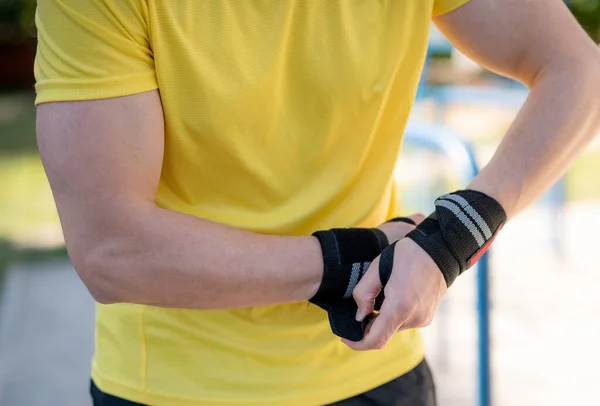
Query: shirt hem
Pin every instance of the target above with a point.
(56, 90)
(329, 395)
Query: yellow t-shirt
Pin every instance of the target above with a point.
(281, 117)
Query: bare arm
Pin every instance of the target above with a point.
(540, 44)
(103, 159)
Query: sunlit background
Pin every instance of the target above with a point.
(544, 309)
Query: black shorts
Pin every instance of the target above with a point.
(414, 388)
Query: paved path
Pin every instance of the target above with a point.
(545, 325)
(46, 337)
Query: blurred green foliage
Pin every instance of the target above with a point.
(25, 196)
(11, 253)
(26, 203)
(17, 124)
(587, 13)
(16, 20)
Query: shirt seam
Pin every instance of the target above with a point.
(144, 349)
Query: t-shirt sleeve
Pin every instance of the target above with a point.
(445, 6)
(92, 49)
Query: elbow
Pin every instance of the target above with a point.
(583, 70)
(101, 274)
(103, 294)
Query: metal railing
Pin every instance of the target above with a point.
(459, 152)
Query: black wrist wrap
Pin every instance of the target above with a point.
(347, 254)
(460, 231)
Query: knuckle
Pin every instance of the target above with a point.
(379, 344)
(360, 295)
(357, 294)
(356, 345)
(423, 321)
(404, 309)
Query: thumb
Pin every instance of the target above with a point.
(395, 229)
(417, 217)
(413, 219)
(367, 290)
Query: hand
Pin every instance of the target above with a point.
(412, 295)
(397, 230)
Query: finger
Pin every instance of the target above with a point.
(395, 231)
(417, 217)
(367, 290)
(413, 219)
(384, 326)
(402, 220)
(371, 318)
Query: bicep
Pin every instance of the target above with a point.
(103, 159)
(516, 38)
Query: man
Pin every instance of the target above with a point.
(194, 147)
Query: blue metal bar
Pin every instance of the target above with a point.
(558, 198)
(443, 140)
(484, 342)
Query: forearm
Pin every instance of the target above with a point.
(169, 259)
(561, 116)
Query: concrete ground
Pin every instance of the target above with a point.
(46, 337)
(545, 317)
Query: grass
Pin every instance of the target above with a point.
(11, 253)
(25, 198)
(26, 203)
(17, 124)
